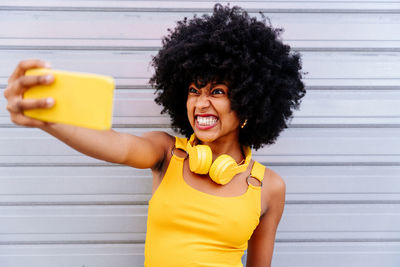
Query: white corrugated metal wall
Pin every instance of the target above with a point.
(340, 157)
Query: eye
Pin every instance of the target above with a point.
(193, 90)
(218, 91)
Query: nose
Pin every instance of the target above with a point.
(202, 101)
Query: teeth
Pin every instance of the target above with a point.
(206, 121)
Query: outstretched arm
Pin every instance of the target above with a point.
(140, 152)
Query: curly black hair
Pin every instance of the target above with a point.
(264, 76)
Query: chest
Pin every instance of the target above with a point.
(203, 183)
(236, 187)
(195, 215)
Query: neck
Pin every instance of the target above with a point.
(232, 148)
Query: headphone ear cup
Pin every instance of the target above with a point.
(222, 169)
(200, 159)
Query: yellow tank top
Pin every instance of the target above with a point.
(187, 227)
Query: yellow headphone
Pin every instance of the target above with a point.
(222, 170)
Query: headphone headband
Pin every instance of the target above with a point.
(222, 170)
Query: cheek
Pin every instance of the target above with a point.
(189, 111)
(233, 119)
(190, 103)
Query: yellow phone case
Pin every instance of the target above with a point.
(81, 99)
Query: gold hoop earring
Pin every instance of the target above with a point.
(243, 124)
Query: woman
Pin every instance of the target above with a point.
(228, 84)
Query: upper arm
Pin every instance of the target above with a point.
(261, 243)
(148, 150)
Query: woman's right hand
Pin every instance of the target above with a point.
(111, 146)
(18, 83)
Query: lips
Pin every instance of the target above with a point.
(206, 121)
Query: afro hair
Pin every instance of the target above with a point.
(264, 76)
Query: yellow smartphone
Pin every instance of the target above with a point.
(81, 99)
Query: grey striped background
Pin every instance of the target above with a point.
(340, 157)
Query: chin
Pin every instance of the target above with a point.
(205, 137)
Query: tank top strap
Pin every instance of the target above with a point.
(180, 143)
(257, 171)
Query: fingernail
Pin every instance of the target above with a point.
(50, 101)
(49, 78)
(47, 65)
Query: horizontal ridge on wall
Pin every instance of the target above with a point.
(146, 29)
(126, 186)
(301, 223)
(312, 46)
(328, 108)
(125, 65)
(206, 6)
(324, 147)
(128, 255)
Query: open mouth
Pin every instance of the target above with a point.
(206, 121)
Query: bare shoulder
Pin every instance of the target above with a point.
(148, 150)
(160, 138)
(274, 189)
(276, 184)
(164, 142)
